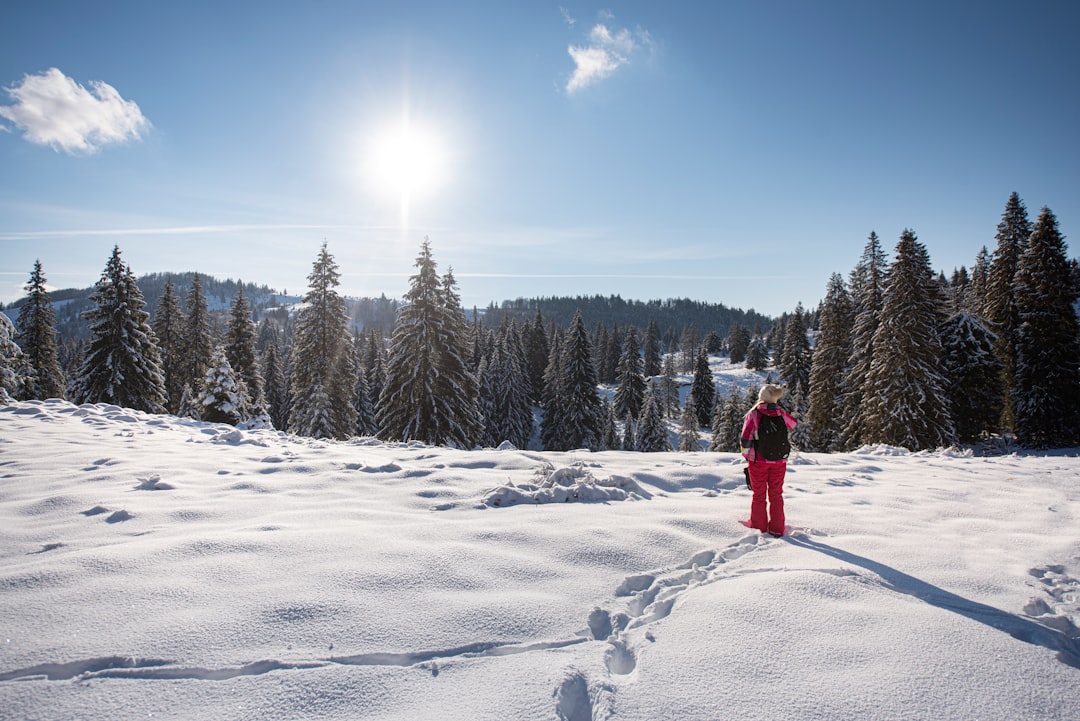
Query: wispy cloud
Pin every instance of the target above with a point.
(566, 16)
(177, 230)
(52, 109)
(607, 50)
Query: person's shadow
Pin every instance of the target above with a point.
(1019, 627)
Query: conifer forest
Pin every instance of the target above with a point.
(896, 353)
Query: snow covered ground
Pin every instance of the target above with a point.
(152, 567)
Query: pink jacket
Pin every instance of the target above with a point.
(750, 426)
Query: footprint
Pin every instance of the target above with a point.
(619, 659)
(600, 624)
(572, 702)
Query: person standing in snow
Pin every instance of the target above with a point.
(765, 446)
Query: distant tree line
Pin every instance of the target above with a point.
(899, 356)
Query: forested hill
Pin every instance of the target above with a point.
(672, 315)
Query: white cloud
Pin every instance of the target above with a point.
(606, 52)
(52, 109)
(566, 16)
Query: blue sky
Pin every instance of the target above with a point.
(733, 152)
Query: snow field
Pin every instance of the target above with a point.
(154, 567)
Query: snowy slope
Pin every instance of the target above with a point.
(152, 567)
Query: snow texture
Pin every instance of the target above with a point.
(164, 568)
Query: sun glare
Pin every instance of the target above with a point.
(406, 162)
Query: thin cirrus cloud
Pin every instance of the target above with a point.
(52, 109)
(606, 51)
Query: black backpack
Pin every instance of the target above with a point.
(772, 438)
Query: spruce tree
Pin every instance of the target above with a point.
(738, 342)
(976, 296)
(973, 371)
(37, 337)
(796, 359)
(630, 393)
(689, 423)
(905, 390)
(629, 439)
(867, 295)
(122, 364)
(668, 390)
(611, 426)
(15, 371)
(1046, 391)
(223, 397)
(689, 342)
(365, 410)
(832, 350)
(757, 354)
(1001, 309)
(240, 342)
(551, 427)
(198, 339)
(652, 434)
(504, 401)
(582, 422)
(703, 389)
(429, 394)
(535, 339)
(718, 441)
(653, 357)
(170, 326)
(375, 367)
(275, 386)
(322, 383)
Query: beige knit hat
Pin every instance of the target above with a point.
(770, 393)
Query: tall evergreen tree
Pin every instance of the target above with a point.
(582, 422)
(535, 340)
(505, 404)
(652, 434)
(828, 372)
(365, 409)
(322, 383)
(905, 391)
(973, 371)
(275, 386)
(689, 423)
(1001, 302)
(630, 393)
(551, 437)
(797, 358)
(240, 342)
(703, 389)
(653, 355)
(37, 337)
(122, 364)
(375, 368)
(198, 339)
(689, 342)
(976, 296)
(867, 294)
(757, 354)
(611, 426)
(429, 394)
(667, 394)
(15, 371)
(1046, 392)
(170, 326)
(738, 342)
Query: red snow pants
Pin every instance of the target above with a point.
(767, 483)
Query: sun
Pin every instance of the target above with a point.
(406, 161)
